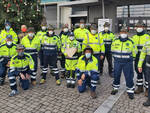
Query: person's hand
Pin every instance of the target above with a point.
(80, 82)
(102, 57)
(140, 70)
(22, 76)
(27, 76)
(8, 64)
(83, 76)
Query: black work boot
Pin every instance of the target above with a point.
(114, 92)
(146, 92)
(131, 96)
(139, 90)
(147, 103)
(68, 83)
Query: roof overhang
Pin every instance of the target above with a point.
(77, 2)
(78, 15)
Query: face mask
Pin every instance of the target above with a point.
(24, 29)
(71, 37)
(43, 28)
(9, 43)
(21, 53)
(82, 26)
(123, 35)
(7, 27)
(50, 32)
(31, 34)
(93, 32)
(106, 29)
(87, 55)
(65, 30)
(139, 30)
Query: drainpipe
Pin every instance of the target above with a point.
(103, 9)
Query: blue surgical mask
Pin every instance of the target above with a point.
(88, 55)
(21, 54)
(7, 27)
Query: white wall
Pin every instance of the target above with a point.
(65, 15)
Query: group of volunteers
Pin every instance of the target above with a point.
(81, 53)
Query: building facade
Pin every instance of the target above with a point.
(121, 12)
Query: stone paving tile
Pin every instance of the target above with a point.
(49, 98)
(125, 105)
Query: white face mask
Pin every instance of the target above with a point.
(93, 32)
(9, 43)
(106, 29)
(31, 34)
(88, 55)
(71, 38)
(82, 26)
(139, 30)
(66, 30)
(50, 32)
(43, 28)
(123, 35)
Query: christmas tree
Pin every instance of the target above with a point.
(18, 12)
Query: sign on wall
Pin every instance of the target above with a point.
(101, 22)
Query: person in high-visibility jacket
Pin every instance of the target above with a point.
(40, 34)
(107, 37)
(21, 65)
(80, 33)
(32, 46)
(8, 31)
(95, 42)
(23, 32)
(51, 46)
(124, 51)
(71, 62)
(63, 38)
(140, 39)
(145, 56)
(6, 52)
(87, 71)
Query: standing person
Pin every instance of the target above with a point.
(32, 47)
(63, 38)
(87, 72)
(51, 46)
(40, 34)
(23, 32)
(107, 37)
(6, 52)
(140, 39)
(80, 33)
(124, 51)
(145, 56)
(71, 62)
(8, 31)
(21, 65)
(95, 42)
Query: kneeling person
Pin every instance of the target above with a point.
(87, 71)
(21, 65)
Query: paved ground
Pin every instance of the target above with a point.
(125, 105)
(49, 98)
